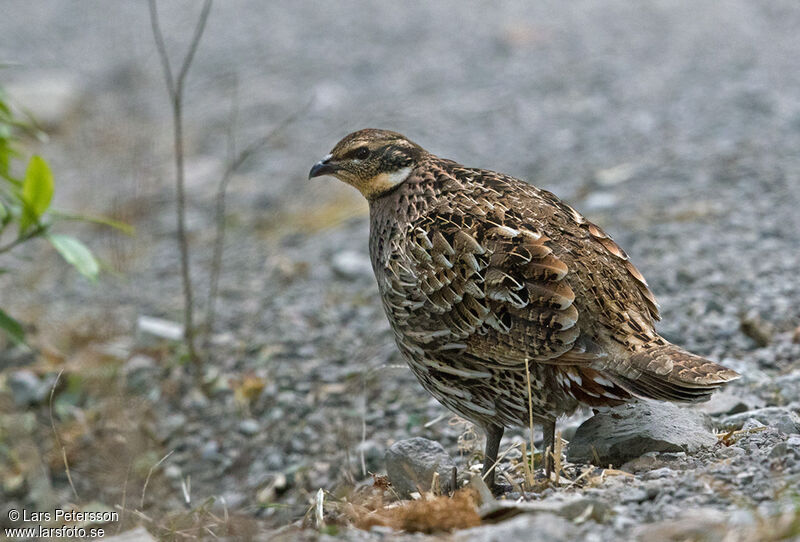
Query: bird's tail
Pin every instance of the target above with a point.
(670, 373)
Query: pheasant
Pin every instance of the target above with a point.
(510, 307)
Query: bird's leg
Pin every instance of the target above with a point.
(493, 435)
(549, 431)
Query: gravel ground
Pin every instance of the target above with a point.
(674, 125)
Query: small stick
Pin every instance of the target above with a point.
(58, 439)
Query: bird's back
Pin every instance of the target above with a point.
(486, 278)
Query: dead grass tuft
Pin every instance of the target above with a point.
(427, 515)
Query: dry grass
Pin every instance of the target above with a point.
(430, 514)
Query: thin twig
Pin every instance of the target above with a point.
(235, 161)
(58, 439)
(499, 459)
(175, 88)
(219, 216)
(124, 497)
(149, 474)
(38, 230)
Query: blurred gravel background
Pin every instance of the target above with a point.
(675, 125)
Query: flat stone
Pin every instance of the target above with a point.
(350, 264)
(148, 327)
(782, 418)
(631, 430)
(411, 463)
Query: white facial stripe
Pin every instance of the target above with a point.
(397, 177)
(327, 157)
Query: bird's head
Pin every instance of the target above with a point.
(373, 161)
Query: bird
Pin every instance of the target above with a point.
(510, 307)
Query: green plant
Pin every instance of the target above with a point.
(25, 212)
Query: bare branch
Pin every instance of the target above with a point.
(234, 163)
(198, 34)
(158, 36)
(175, 87)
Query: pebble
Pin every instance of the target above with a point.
(633, 494)
(249, 426)
(411, 463)
(210, 450)
(349, 264)
(663, 472)
(782, 418)
(148, 327)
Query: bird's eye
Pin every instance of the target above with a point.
(361, 153)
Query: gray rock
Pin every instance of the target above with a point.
(628, 431)
(779, 450)
(541, 526)
(249, 427)
(210, 450)
(148, 327)
(752, 424)
(27, 388)
(350, 264)
(633, 494)
(411, 463)
(781, 418)
(663, 472)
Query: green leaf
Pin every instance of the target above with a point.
(37, 191)
(12, 328)
(76, 254)
(124, 227)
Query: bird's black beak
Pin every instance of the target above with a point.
(323, 167)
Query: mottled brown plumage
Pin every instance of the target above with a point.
(484, 277)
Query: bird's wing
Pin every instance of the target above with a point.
(486, 276)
